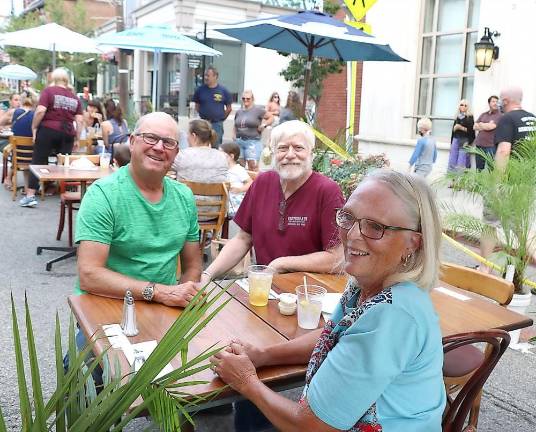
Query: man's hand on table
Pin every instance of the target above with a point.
(255, 354)
(175, 295)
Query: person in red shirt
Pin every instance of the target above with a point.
(287, 215)
(53, 126)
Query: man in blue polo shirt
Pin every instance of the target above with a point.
(213, 102)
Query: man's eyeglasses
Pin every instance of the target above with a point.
(284, 148)
(153, 139)
(367, 227)
(282, 225)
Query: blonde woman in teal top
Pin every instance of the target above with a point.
(377, 363)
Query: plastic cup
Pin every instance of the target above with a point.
(309, 308)
(260, 282)
(105, 159)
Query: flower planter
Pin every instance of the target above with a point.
(519, 304)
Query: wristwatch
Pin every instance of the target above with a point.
(148, 292)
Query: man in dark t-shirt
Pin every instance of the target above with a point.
(213, 103)
(287, 215)
(513, 126)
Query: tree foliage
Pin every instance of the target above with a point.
(41, 60)
(320, 68)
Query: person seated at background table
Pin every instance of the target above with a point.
(200, 162)
(135, 224)
(115, 129)
(121, 155)
(6, 117)
(287, 214)
(94, 114)
(239, 179)
(53, 126)
(21, 125)
(377, 363)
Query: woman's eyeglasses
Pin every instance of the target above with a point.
(367, 227)
(463, 104)
(246, 99)
(153, 139)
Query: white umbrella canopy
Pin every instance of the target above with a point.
(51, 37)
(17, 72)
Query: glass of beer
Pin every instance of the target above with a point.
(260, 282)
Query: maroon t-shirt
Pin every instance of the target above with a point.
(62, 105)
(300, 225)
(486, 138)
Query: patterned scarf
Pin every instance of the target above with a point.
(330, 337)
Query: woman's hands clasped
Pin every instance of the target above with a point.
(236, 364)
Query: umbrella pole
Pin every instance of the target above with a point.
(156, 58)
(53, 56)
(307, 78)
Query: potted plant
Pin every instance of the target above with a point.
(510, 195)
(75, 404)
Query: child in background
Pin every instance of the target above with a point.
(425, 153)
(121, 155)
(238, 177)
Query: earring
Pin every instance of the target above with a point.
(407, 259)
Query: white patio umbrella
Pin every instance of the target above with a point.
(17, 72)
(158, 39)
(51, 37)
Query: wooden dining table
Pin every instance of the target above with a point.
(459, 311)
(62, 173)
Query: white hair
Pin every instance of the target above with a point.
(290, 129)
(60, 76)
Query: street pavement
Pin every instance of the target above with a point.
(509, 400)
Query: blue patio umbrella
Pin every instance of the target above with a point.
(158, 39)
(313, 34)
(17, 72)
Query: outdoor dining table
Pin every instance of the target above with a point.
(61, 173)
(459, 311)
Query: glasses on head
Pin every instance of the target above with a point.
(153, 139)
(367, 227)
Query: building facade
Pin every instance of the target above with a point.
(438, 37)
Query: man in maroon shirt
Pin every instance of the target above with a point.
(485, 125)
(287, 215)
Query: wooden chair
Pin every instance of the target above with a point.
(214, 208)
(462, 404)
(68, 199)
(6, 154)
(22, 151)
(461, 363)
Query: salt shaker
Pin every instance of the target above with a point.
(129, 325)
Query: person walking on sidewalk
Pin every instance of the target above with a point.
(485, 125)
(213, 103)
(425, 153)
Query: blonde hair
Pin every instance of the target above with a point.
(60, 76)
(468, 112)
(292, 128)
(424, 123)
(422, 267)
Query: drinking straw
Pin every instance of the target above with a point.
(305, 287)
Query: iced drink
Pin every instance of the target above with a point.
(310, 307)
(260, 282)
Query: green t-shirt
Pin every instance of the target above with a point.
(145, 238)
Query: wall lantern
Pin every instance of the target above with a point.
(486, 51)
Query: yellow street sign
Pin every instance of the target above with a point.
(358, 8)
(360, 25)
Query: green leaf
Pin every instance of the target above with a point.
(60, 404)
(24, 399)
(39, 404)
(3, 427)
